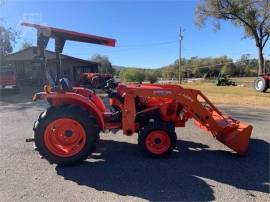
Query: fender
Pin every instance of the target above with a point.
(56, 99)
(93, 97)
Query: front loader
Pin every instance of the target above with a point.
(68, 131)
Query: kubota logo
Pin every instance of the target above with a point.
(188, 97)
(162, 92)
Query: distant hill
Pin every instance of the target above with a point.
(119, 67)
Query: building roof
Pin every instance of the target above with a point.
(29, 54)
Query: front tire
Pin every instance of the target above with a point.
(260, 84)
(157, 140)
(65, 135)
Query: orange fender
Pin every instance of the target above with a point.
(70, 98)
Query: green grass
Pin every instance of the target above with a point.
(244, 79)
(232, 95)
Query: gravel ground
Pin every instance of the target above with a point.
(200, 169)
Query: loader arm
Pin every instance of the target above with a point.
(226, 129)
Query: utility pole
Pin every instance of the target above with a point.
(179, 59)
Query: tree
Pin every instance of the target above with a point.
(252, 15)
(25, 45)
(7, 40)
(228, 69)
(152, 77)
(132, 75)
(200, 71)
(246, 66)
(104, 62)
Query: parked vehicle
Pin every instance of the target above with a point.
(224, 80)
(68, 131)
(95, 80)
(8, 79)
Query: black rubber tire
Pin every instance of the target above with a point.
(67, 111)
(144, 132)
(264, 86)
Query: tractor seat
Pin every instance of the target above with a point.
(65, 84)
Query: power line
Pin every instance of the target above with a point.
(148, 44)
(134, 46)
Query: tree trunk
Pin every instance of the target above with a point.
(261, 61)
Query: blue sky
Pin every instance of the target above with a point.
(146, 31)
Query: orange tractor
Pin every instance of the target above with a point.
(68, 131)
(95, 80)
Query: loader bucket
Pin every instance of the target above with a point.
(238, 138)
(229, 131)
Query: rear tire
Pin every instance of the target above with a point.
(260, 84)
(157, 140)
(71, 127)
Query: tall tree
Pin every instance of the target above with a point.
(104, 62)
(7, 40)
(132, 75)
(252, 15)
(26, 45)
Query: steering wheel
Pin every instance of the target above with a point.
(110, 84)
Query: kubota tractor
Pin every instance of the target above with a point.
(68, 130)
(95, 80)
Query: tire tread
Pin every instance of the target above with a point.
(87, 120)
(145, 130)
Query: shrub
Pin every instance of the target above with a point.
(132, 75)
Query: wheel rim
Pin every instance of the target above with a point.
(65, 137)
(158, 142)
(259, 85)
